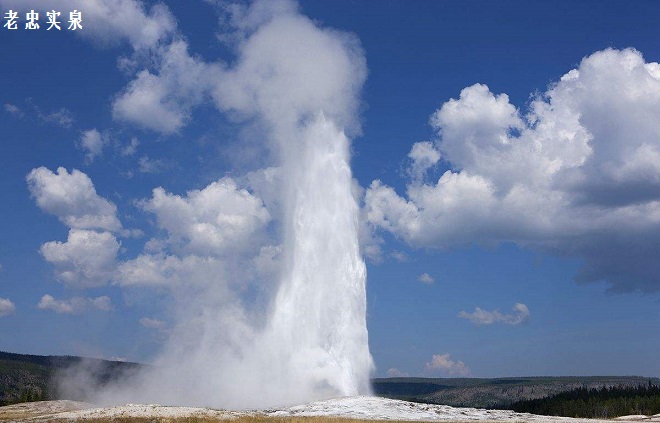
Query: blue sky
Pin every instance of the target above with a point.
(551, 200)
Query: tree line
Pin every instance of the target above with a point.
(605, 402)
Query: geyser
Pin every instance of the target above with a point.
(319, 312)
(299, 86)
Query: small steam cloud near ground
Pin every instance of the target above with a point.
(300, 83)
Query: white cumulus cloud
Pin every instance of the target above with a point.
(92, 143)
(426, 278)
(394, 372)
(86, 259)
(62, 117)
(162, 99)
(168, 270)
(219, 218)
(73, 199)
(577, 175)
(423, 156)
(147, 165)
(7, 307)
(75, 305)
(130, 148)
(519, 316)
(444, 363)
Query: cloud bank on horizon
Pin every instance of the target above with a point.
(444, 362)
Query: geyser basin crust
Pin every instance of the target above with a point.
(357, 408)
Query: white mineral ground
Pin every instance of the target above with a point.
(361, 407)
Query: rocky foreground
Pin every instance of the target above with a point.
(363, 408)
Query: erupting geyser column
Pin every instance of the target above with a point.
(320, 309)
(303, 82)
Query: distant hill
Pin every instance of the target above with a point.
(494, 393)
(26, 377)
(32, 377)
(596, 403)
